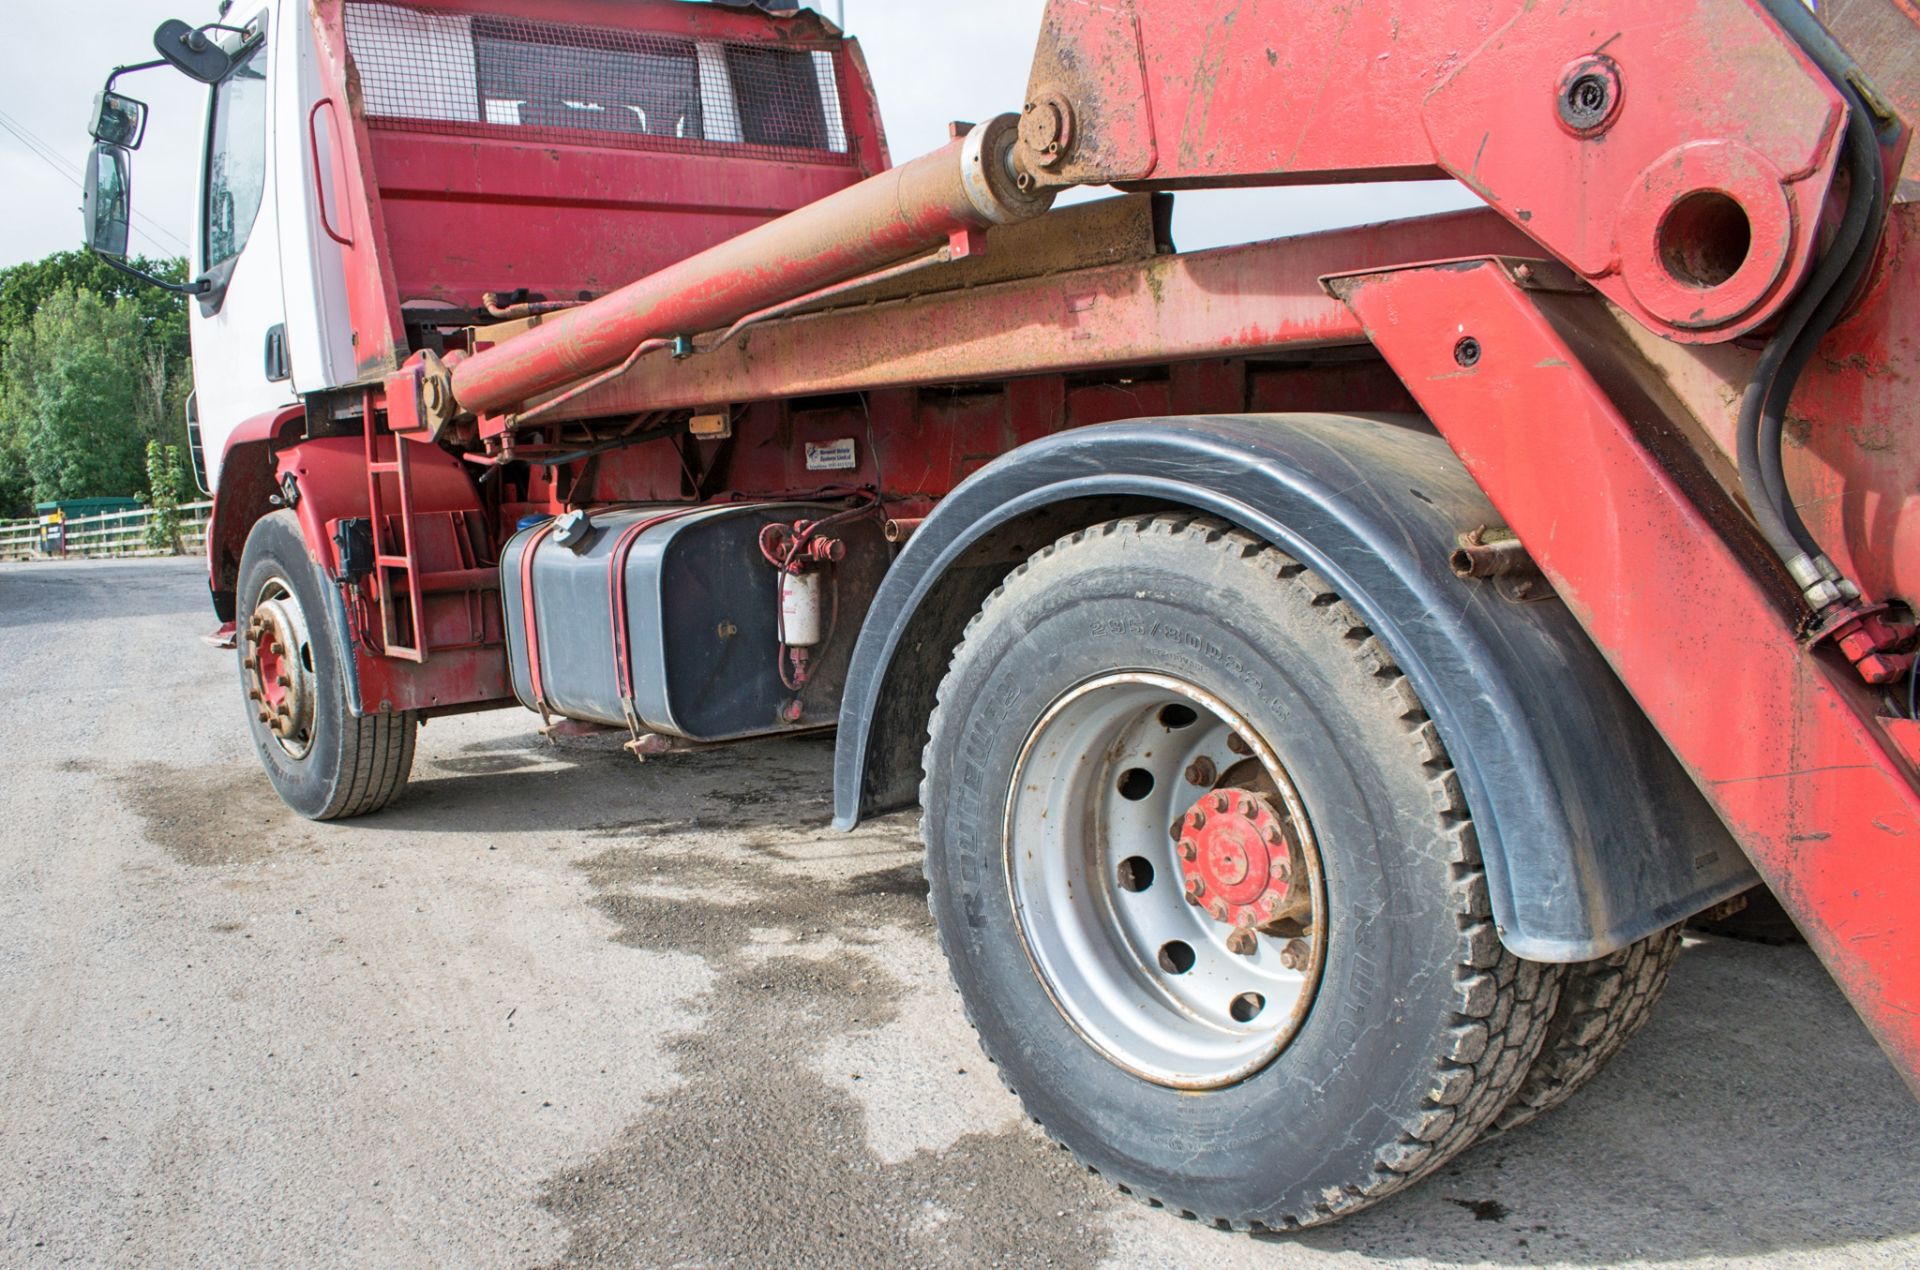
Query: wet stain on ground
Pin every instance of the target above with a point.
(210, 818)
(752, 1119)
(1482, 1209)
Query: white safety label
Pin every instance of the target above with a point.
(834, 456)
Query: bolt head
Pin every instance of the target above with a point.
(1222, 804)
(1295, 955)
(1217, 910)
(1198, 819)
(1196, 885)
(1238, 745)
(1189, 850)
(1243, 942)
(1202, 772)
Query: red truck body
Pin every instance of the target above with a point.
(1663, 182)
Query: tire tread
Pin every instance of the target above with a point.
(1502, 1004)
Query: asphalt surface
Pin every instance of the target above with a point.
(556, 1007)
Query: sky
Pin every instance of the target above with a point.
(929, 66)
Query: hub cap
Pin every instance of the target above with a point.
(276, 661)
(1166, 880)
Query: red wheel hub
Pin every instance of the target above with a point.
(1237, 861)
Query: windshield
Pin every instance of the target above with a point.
(236, 159)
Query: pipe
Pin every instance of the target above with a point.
(967, 184)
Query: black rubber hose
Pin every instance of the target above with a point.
(1864, 161)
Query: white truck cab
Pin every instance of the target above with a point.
(268, 312)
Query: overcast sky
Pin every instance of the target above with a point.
(930, 65)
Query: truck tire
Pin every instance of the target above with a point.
(1113, 677)
(1602, 1004)
(325, 763)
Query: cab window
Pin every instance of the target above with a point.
(236, 159)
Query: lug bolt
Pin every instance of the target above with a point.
(1243, 942)
(1196, 887)
(1189, 851)
(1294, 956)
(1217, 910)
(1239, 746)
(1280, 870)
(1198, 820)
(1222, 804)
(1202, 772)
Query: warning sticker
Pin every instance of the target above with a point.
(834, 456)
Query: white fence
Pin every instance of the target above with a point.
(113, 534)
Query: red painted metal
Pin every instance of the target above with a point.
(441, 212)
(1236, 861)
(1236, 301)
(1712, 97)
(248, 480)
(1785, 742)
(912, 208)
(457, 614)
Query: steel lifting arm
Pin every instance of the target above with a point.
(965, 186)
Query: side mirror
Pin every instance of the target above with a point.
(108, 201)
(191, 52)
(118, 120)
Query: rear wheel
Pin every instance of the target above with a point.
(1207, 883)
(1602, 1004)
(323, 762)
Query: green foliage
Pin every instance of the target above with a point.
(93, 365)
(163, 478)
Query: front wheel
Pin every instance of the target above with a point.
(324, 762)
(1207, 883)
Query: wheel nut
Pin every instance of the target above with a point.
(1222, 804)
(1189, 851)
(1196, 887)
(1217, 910)
(1198, 820)
(1243, 942)
(1294, 956)
(1202, 772)
(1238, 746)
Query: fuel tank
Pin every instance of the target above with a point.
(699, 619)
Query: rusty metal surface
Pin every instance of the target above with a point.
(1708, 98)
(1784, 742)
(1236, 300)
(1884, 37)
(1853, 429)
(878, 222)
(1108, 231)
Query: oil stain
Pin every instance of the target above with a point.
(210, 819)
(755, 1158)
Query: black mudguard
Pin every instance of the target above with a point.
(1593, 835)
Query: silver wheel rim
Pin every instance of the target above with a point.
(1101, 900)
(276, 659)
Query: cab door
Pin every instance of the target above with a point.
(241, 362)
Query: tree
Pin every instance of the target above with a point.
(163, 478)
(93, 364)
(73, 387)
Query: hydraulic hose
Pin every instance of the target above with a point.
(1763, 405)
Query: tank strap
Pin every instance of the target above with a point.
(617, 607)
(532, 623)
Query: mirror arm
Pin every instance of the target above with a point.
(199, 286)
(118, 71)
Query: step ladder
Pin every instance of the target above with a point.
(402, 561)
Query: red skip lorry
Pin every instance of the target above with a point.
(1330, 668)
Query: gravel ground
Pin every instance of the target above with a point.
(555, 1007)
